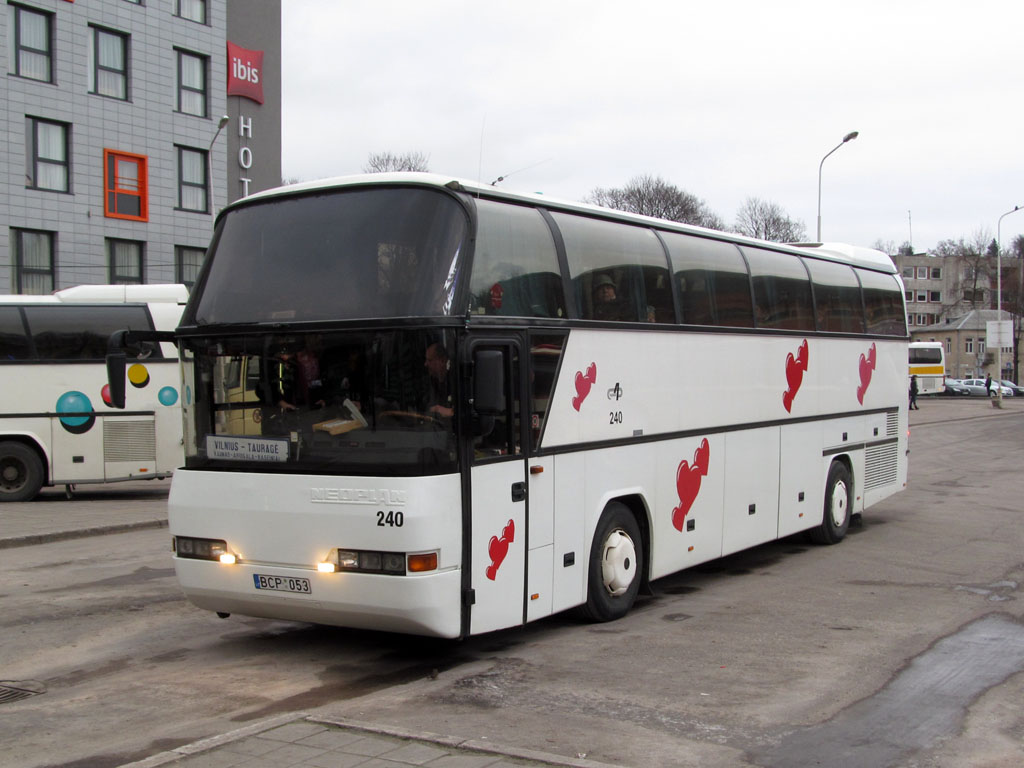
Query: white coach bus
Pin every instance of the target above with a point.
(430, 406)
(56, 424)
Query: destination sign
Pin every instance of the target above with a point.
(239, 448)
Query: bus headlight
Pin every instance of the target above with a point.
(203, 549)
(373, 561)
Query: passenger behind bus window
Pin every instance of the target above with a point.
(606, 300)
(294, 377)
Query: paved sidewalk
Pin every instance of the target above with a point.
(92, 510)
(311, 742)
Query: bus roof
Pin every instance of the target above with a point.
(848, 254)
(174, 293)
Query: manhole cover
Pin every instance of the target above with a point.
(9, 692)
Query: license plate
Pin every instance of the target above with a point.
(282, 584)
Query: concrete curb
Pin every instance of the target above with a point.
(81, 533)
(476, 745)
(451, 742)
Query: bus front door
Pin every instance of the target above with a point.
(497, 519)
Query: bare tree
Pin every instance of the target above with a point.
(653, 196)
(975, 268)
(386, 162)
(767, 221)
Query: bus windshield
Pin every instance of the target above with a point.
(341, 255)
(356, 403)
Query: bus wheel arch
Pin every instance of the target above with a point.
(837, 508)
(22, 470)
(616, 568)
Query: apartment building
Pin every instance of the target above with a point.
(118, 154)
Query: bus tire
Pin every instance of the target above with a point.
(838, 505)
(615, 569)
(21, 472)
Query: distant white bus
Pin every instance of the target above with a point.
(56, 427)
(928, 363)
(425, 405)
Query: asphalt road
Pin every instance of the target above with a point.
(902, 646)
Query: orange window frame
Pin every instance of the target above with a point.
(116, 191)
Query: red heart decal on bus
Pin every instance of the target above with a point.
(497, 548)
(688, 482)
(795, 367)
(583, 385)
(867, 365)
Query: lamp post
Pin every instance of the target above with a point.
(209, 162)
(848, 137)
(999, 304)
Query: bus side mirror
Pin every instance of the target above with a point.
(116, 361)
(489, 382)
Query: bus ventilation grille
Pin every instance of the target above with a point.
(880, 465)
(892, 423)
(129, 440)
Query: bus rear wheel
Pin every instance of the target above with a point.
(21, 472)
(838, 504)
(616, 565)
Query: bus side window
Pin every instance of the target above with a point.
(782, 290)
(713, 281)
(883, 304)
(13, 339)
(497, 431)
(515, 266)
(836, 297)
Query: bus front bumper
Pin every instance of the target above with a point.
(424, 604)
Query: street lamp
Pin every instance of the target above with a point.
(848, 137)
(999, 305)
(209, 161)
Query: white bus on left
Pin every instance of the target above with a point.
(56, 424)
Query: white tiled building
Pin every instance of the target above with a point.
(110, 110)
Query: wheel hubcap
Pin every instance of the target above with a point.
(11, 475)
(618, 563)
(838, 505)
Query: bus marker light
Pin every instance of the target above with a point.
(421, 563)
(227, 558)
(536, 469)
(690, 548)
(326, 567)
(534, 596)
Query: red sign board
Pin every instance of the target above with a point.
(245, 73)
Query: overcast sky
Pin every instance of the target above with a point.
(726, 99)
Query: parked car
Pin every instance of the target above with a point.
(1017, 388)
(956, 387)
(977, 387)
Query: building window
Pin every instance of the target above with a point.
(908, 272)
(108, 64)
(31, 43)
(936, 273)
(949, 346)
(125, 186)
(193, 10)
(192, 181)
(192, 83)
(125, 258)
(922, 296)
(969, 346)
(187, 263)
(46, 160)
(935, 296)
(922, 273)
(33, 261)
(908, 295)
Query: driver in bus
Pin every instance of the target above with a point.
(439, 397)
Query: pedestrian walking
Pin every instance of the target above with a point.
(913, 393)
(988, 385)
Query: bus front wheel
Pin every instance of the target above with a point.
(838, 503)
(616, 565)
(21, 472)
